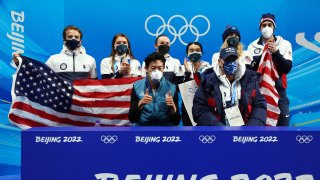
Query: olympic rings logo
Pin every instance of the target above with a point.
(194, 30)
(109, 139)
(304, 139)
(207, 138)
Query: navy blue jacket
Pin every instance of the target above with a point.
(208, 109)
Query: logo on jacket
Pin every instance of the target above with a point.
(177, 33)
(257, 51)
(141, 94)
(63, 66)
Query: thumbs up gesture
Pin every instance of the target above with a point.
(145, 100)
(170, 102)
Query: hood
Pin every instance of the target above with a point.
(80, 50)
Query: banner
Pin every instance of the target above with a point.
(187, 91)
(177, 153)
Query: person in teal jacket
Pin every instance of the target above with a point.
(154, 100)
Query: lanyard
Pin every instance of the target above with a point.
(115, 67)
(234, 93)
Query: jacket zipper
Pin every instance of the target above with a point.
(74, 68)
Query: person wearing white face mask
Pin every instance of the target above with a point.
(172, 71)
(281, 51)
(154, 100)
(121, 62)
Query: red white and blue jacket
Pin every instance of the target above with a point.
(208, 107)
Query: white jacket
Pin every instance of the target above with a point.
(203, 66)
(284, 46)
(106, 65)
(72, 65)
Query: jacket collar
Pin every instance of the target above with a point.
(276, 38)
(80, 50)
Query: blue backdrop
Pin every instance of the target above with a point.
(41, 27)
(35, 28)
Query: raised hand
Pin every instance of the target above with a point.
(15, 59)
(272, 46)
(124, 69)
(186, 66)
(145, 100)
(170, 102)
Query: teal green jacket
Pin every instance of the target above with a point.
(156, 113)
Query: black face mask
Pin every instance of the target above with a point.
(194, 57)
(233, 41)
(72, 44)
(163, 49)
(121, 49)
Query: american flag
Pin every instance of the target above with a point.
(267, 86)
(41, 98)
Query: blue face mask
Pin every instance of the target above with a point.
(121, 49)
(230, 67)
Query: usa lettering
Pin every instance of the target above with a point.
(46, 140)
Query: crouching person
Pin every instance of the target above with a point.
(229, 94)
(154, 100)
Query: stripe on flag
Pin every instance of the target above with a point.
(41, 98)
(269, 75)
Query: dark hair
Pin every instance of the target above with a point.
(196, 43)
(113, 51)
(71, 27)
(153, 57)
(161, 35)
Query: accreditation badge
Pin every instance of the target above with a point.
(233, 116)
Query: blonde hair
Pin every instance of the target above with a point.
(239, 47)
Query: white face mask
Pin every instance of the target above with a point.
(156, 76)
(267, 32)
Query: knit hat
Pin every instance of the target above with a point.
(229, 30)
(268, 17)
